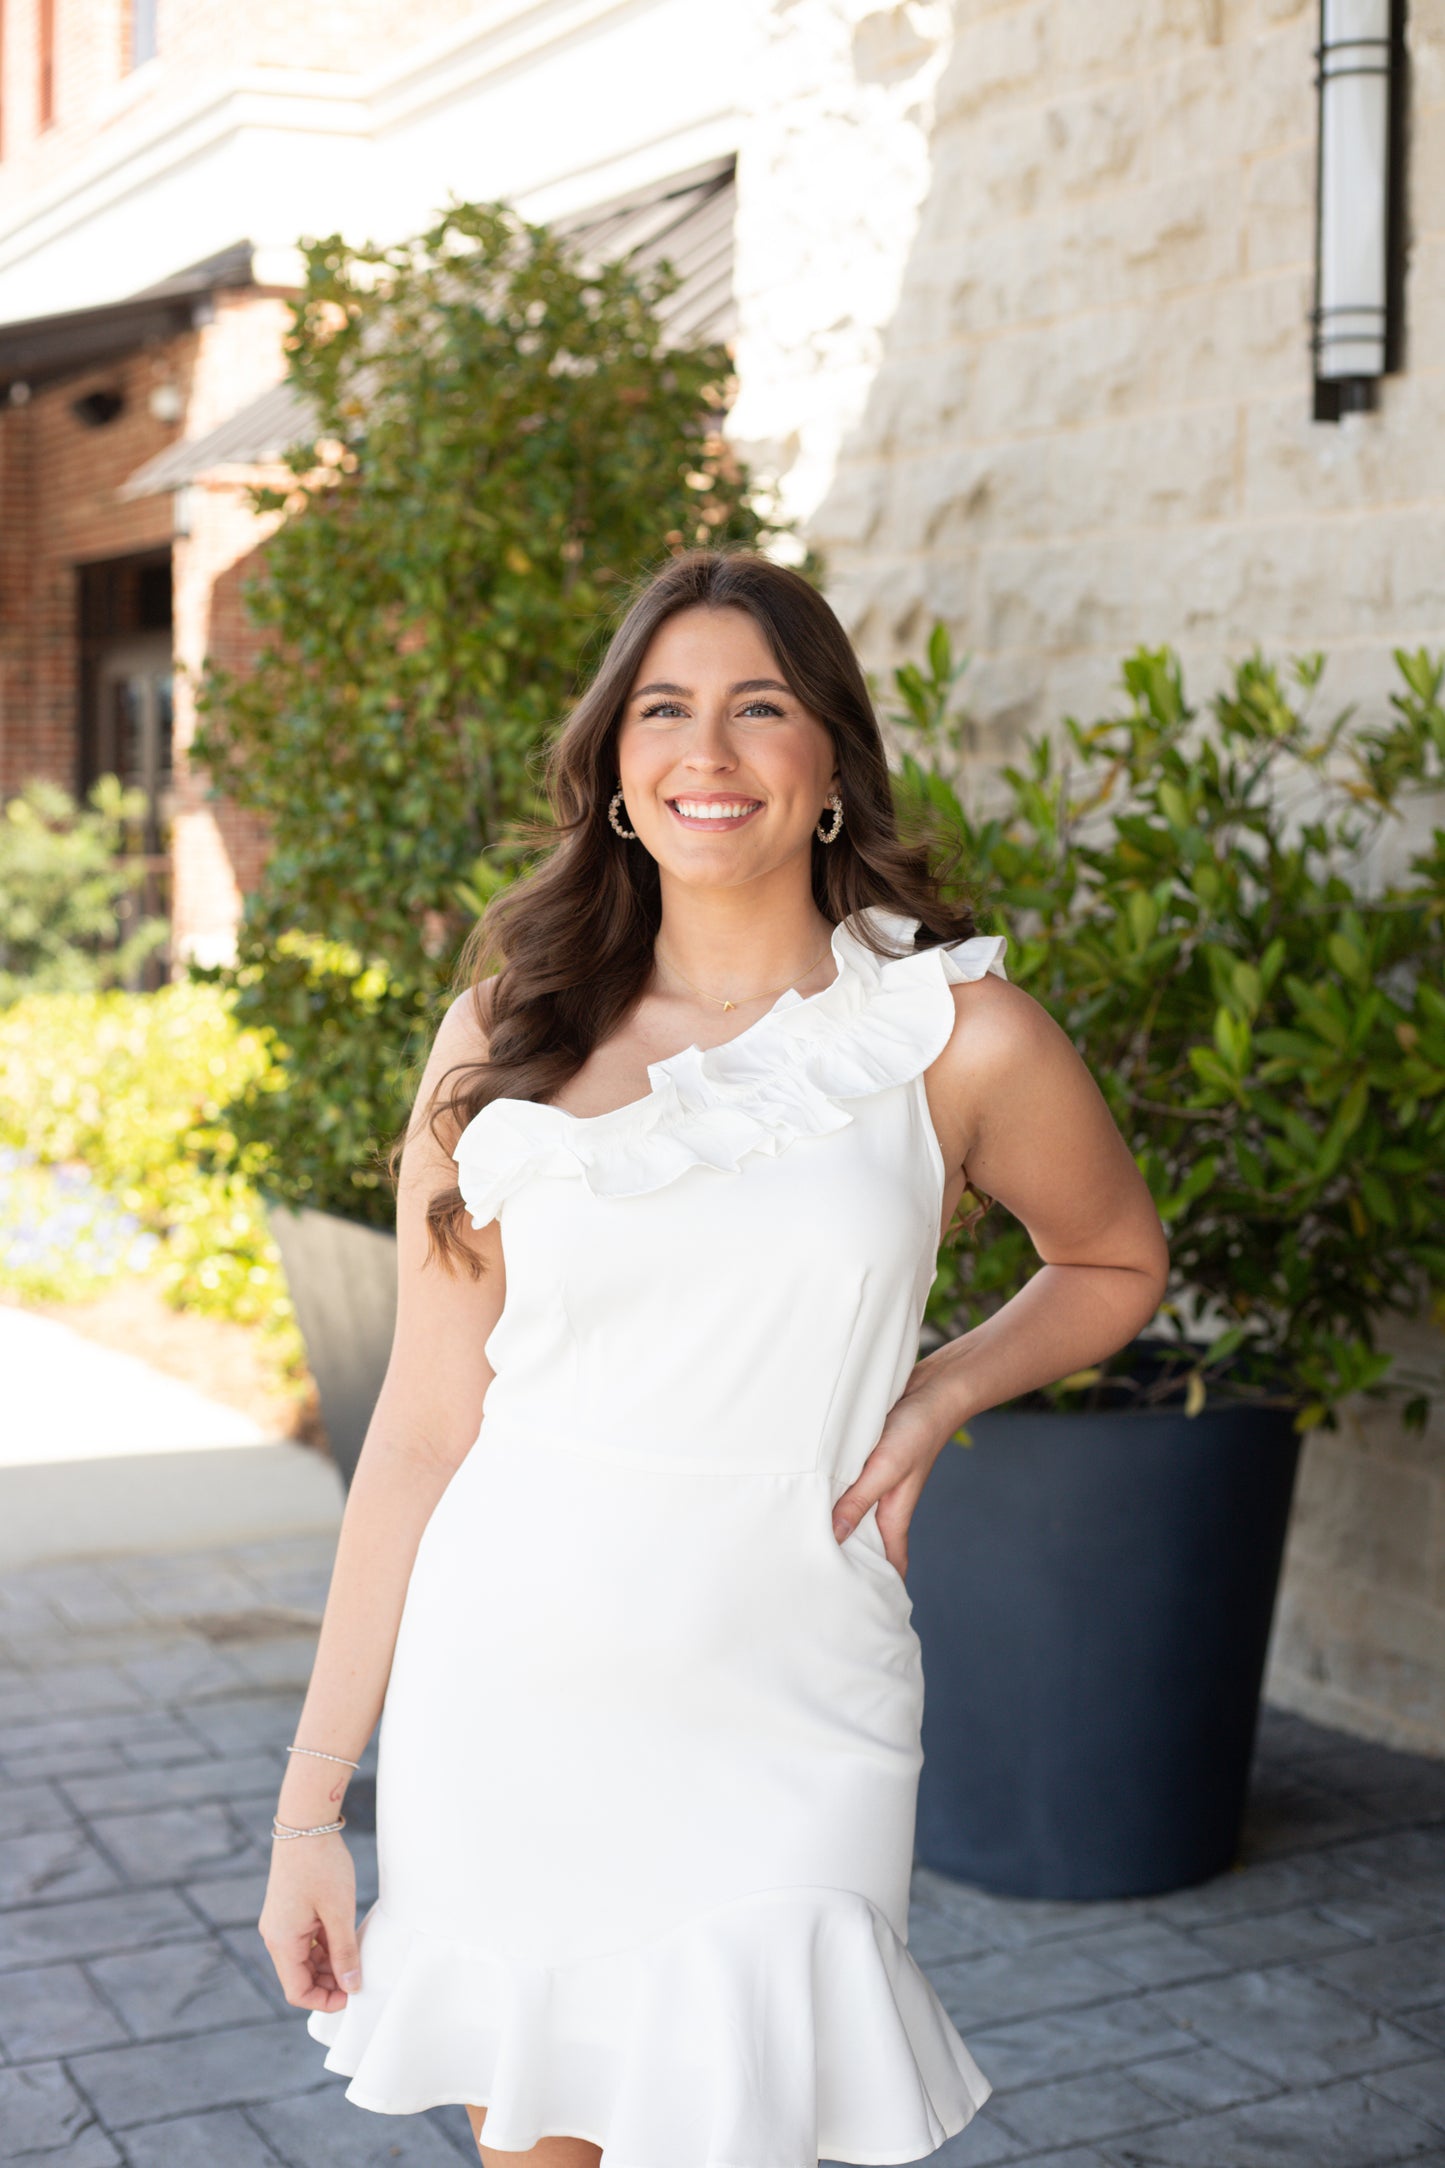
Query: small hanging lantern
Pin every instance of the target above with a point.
(1356, 316)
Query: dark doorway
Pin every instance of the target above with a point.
(126, 681)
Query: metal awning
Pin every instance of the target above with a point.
(38, 349)
(687, 218)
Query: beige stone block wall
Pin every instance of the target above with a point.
(1063, 402)
(1063, 399)
(218, 849)
(1359, 1636)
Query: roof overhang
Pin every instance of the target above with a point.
(42, 349)
(687, 218)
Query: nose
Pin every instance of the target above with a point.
(709, 745)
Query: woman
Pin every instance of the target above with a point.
(624, 1558)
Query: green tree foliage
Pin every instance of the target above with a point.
(62, 884)
(1192, 900)
(505, 445)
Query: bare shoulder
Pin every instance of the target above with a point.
(1028, 1124)
(463, 1032)
(1004, 1054)
(996, 1016)
(997, 1029)
(463, 1036)
(461, 1043)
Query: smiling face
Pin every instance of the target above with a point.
(724, 772)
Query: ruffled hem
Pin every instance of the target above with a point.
(777, 2030)
(881, 1021)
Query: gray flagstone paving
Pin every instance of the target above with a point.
(1290, 2012)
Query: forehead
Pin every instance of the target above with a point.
(709, 643)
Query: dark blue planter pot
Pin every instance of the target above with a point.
(342, 1280)
(1094, 1594)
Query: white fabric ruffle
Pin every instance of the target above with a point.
(880, 1022)
(781, 2028)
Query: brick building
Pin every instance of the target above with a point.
(1020, 298)
(139, 394)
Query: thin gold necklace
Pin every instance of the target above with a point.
(747, 997)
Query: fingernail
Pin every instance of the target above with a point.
(351, 1979)
(842, 1530)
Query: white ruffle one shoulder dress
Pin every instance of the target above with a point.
(648, 1759)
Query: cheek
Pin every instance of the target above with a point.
(643, 757)
(792, 774)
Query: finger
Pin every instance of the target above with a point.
(298, 1983)
(895, 1550)
(895, 1540)
(325, 1987)
(896, 1509)
(865, 1491)
(304, 1970)
(344, 1954)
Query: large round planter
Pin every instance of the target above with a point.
(1094, 1594)
(342, 1279)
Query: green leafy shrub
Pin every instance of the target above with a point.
(1189, 900)
(62, 883)
(342, 1039)
(504, 444)
(111, 1117)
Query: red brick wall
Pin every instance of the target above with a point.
(59, 509)
(17, 529)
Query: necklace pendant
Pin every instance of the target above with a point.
(729, 1005)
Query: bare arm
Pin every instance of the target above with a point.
(1041, 1140)
(1020, 1116)
(426, 1419)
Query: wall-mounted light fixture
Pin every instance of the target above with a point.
(1355, 322)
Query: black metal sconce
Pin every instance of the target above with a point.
(1356, 318)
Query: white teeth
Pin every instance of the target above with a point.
(693, 812)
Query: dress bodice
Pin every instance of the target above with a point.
(753, 1241)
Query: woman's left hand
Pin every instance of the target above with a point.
(896, 1470)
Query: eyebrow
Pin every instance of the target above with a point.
(743, 685)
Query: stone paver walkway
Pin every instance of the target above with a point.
(1292, 2011)
(101, 1453)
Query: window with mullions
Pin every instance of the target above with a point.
(142, 31)
(45, 59)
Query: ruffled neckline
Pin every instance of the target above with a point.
(880, 1020)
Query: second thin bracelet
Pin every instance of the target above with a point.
(281, 1830)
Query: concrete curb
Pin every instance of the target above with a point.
(174, 1500)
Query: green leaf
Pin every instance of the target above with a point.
(1349, 959)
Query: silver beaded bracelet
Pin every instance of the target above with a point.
(281, 1830)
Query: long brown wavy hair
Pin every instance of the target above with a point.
(574, 935)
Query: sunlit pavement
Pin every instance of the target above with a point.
(1292, 2011)
(100, 1452)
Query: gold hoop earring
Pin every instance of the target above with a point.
(837, 804)
(614, 803)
